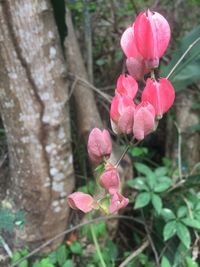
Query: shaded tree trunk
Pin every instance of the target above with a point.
(34, 109)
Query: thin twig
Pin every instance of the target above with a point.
(182, 57)
(179, 152)
(135, 253)
(47, 243)
(6, 247)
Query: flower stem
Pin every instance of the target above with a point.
(97, 246)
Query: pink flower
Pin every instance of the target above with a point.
(81, 201)
(135, 62)
(118, 202)
(99, 145)
(110, 179)
(152, 35)
(126, 85)
(121, 114)
(144, 120)
(160, 94)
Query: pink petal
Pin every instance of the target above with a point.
(99, 145)
(128, 43)
(110, 180)
(152, 35)
(137, 68)
(126, 85)
(144, 120)
(118, 202)
(81, 201)
(125, 123)
(160, 94)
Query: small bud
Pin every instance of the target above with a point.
(99, 145)
(110, 179)
(144, 120)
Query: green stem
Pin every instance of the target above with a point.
(97, 246)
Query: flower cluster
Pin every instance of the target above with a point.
(143, 44)
(99, 150)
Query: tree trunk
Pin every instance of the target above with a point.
(34, 109)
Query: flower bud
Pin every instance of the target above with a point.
(144, 120)
(152, 35)
(118, 202)
(126, 85)
(99, 145)
(110, 179)
(160, 94)
(81, 201)
(121, 114)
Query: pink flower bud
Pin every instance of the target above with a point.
(152, 35)
(126, 85)
(136, 67)
(99, 145)
(118, 202)
(110, 179)
(144, 120)
(160, 94)
(121, 114)
(81, 201)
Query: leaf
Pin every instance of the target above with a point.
(151, 180)
(68, 263)
(23, 264)
(142, 200)
(191, 263)
(183, 234)
(188, 70)
(61, 254)
(169, 230)
(157, 203)
(76, 248)
(161, 171)
(45, 263)
(142, 168)
(167, 214)
(182, 211)
(165, 262)
(162, 186)
(191, 222)
(138, 183)
(138, 151)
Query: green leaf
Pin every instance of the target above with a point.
(68, 263)
(142, 168)
(24, 264)
(99, 228)
(157, 203)
(182, 211)
(191, 222)
(161, 171)
(76, 248)
(168, 214)
(45, 263)
(162, 186)
(138, 151)
(61, 254)
(142, 200)
(169, 230)
(52, 257)
(191, 263)
(151, 180)
(183, 234)
(138, 183)
(165, 262)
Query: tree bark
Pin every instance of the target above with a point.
(34, 109)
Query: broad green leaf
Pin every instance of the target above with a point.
(191, 222)
(162, 186)
(190, 262)
(151, 180)
(23, 264)
(157, 203)
(76, 248)
(68, 263)
(165, 262)
(142, 168)
(52, 257)
(161, 171)
(138, 151)
(138, 183)
(61, 254)
(182, 211)
(169, 230)
(168, 214)
(188, 70)
(142, 200)
(46, 263)
(183, 234)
